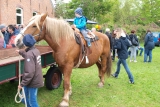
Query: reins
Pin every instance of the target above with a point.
(21, 96)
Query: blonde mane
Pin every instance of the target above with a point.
(57, 28)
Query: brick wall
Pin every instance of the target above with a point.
(8, 9)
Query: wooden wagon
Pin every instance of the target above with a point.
(10, 61)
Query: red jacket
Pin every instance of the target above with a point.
(11, 42)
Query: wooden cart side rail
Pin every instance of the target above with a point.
(22, 59)
(47, 60)
(1, 82)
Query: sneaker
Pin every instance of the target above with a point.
(131, 60)
(89, 44)
(131, 82)
(113, 75)
(135, 61)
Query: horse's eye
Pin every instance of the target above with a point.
(34, 26)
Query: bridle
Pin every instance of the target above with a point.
(39, 34)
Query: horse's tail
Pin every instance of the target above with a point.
(109, 65)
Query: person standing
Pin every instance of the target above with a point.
(32, 76)
(11, 30)
(5, 33)
(2, 42)
(114, 51)
(122, 44)
(148, 46)
(133, 47)
(141, 50)
(110, 37)
(17, 29)
(80, 22)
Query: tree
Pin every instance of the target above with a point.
(93, 9)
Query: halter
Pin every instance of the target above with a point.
(36, 34)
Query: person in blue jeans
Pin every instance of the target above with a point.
(141, 50)
(32, 78)
(80, 22)
(148, 46)
(122, 45)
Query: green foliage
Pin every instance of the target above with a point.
(92, 9)
(115, 13)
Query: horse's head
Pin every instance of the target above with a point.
(35, 27)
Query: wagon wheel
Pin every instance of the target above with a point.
(53, 78)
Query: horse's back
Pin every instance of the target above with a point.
(103, 38)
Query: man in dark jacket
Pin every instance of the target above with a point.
(122, 44)
(148, 46)
(32, 76)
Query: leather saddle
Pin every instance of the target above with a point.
(80, 38)
(84, 50)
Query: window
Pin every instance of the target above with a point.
(19, 16)
(34, 13)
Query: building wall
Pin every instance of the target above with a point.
(8, 9)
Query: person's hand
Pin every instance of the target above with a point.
(73, 26)
(19, 87)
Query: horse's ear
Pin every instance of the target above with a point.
(43, 17)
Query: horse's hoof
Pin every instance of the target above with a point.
(100, 84)
(64, 104)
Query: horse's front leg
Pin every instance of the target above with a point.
(67, 86)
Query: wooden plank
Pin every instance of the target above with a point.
(8, 56)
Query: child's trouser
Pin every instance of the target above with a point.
(84, 33)
(31, 96)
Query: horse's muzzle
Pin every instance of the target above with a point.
(19, 44)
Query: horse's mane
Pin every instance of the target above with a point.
(57, 28)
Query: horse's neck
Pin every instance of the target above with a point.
(51, 43)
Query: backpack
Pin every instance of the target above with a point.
(130, 43)
(134, 42)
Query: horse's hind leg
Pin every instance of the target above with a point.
(102, 69)
(66, 85)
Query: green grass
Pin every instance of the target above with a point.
(116, 92)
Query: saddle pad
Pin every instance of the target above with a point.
(92, 39)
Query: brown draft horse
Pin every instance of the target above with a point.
(60, 37)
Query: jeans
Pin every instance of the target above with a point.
(31, 96)
(84, 33)
(133, 52)
(113, 55)
(123, 61)
(147, 52)
(141, 50)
